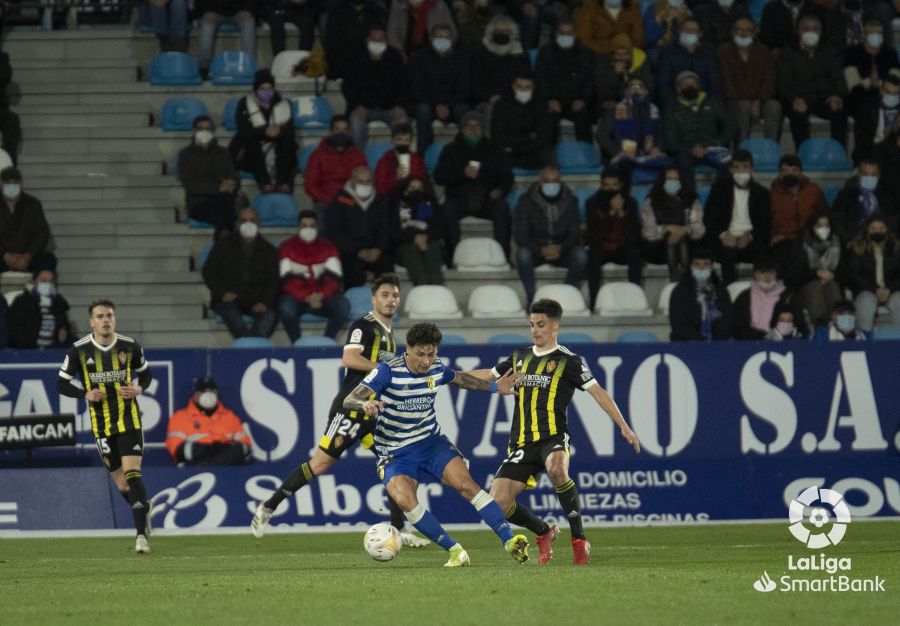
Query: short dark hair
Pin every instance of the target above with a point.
(870, 160)
(401, 128)
(202, 118)
(791, 160)
(548, 307)
(523, 74)
(612, 171)
(308, 213)
(765, 263)
(423, 334)
(701, 253)
(385, 279)
(742, 156)
(843, 305)
(337, 118)
(377, 26)
(101, 302)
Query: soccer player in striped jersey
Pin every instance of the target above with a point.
(539, 437)
(411, 446)
(369, 342)
(106, 364)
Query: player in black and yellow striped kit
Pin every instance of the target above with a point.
(107, 364)
(539, 437)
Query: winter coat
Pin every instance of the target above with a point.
(321, 268)
(857, 269)
(386, 171)
(376, 83)
(685, 313)
(328, 169)
(595, 26)
(675, 58)
(25, 321)
(492, 71)
(26, 228)
(705, 123)
(436, 79)
(345, 28)
(750, 80)
(201, 171)
(564, 75)
(538, 221)
(719, 209)
(254, 279)
(789, 212)
(351, 228)
(847, 214)
(494, 172)
(813, 78)
(399, 24)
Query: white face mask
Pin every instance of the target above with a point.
(565, 41)
(248, 230)
(524, 96)
(743, 42)
(11, 191)
(376, 48)
(822, 232)
(203, 137)
(741, 178)
(307, 234)
(208, 400)
(726, 4)
(46, 289)
(688, 39)
(874, 40)
(364, 192)
(810, 39)
(441, 44)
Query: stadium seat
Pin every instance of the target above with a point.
(831, 193)
(637, 336)
(617, 299)
(577, 157)
(479, 254)
(639, 193)
(756, 9)
(276, 209)
(204, 255)
(569, 298)
(283, 64)
(766, 153)
(374, 151)
(315, 342)
(532, 56)
(360, 299)
(251, 342)
(886, 334)
(737, 288)
(229, 115)
(303, 157)
(664, 297)
(583, 194)
(521, 171)
(571, 338)
(311, 111)
(11, 295)
(432, 154)
(702, 194)
(232, 67)
(512, 198)
(509, 339)
(824, 155)
(432, 302)
(453, 340)
(495, 301)
(174, 69)
(178, 113)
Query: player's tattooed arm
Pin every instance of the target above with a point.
(505, 384)
(358, 399)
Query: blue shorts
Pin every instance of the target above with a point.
(426, 458)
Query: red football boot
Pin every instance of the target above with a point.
(545, 544)
(582, 550)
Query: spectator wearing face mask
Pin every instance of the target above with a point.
(794, 198)
(844, 21)
(876, 117)
(499, 57)
(531, 15)
(440, 84)
(597, 22)
(241, 273)
(778, 26)
(331, 163)
(418, 232)
(38, 317)
(842, 326)
(689, 54)
(346, 27)
(810, 272)
(522, 125)
(866, 65)
(24, 232)
(264, 143)
(809, 80)
(210, 180)
(563, 72)
(783, 326)
(375, 86)
(753, 308)
(671, 220)
(410, 21)
(310, 269)
(613, 72)
(872, 272)
(717, 19)
(546, 229)
(699, 308)
(862, 198)
(472, 18)
(205, 432)
(400, 163)
(662, 24)
(358, 225)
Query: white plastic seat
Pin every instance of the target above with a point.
(432, 302)
(488, 301)
(479, 254)
(569, 298)
(283, 64)
(10, 296)
(618, 299)
(664, 296)
(737, 287)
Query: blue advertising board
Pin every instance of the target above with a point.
(729, 431)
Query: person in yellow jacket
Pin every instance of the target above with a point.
(598, 21)
(205, 432)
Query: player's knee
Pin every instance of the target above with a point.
(559, 474)
(320, 464)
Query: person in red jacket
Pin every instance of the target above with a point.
(311, 273)
(331, 164)
(205, 432)
(398, 164)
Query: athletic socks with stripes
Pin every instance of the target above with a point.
(568, 499)
(426, 523)
(521, 515)
(137, 498)
(490, 512)
(295, 480)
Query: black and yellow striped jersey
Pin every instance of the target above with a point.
(375, 341)
(549, 381)
(107, 368)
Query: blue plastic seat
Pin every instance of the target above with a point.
(567, 338)
(229, 115)
(315, 342)
(824, 155)
(639, 193)
(532, 56)
(276, 209)
(360, 299)
(432, 154)
(830, 194)
(756, 9)
(638, 336)
(509, 339)
(320, 117)
(312, 318)
(232, 68)
(583, 194)
(174, 69)
(521, 171)
(766, 153)
(512, 198)
(179, 113)
(886, 334)
(577, 157)
(702, 194)
(204, 255)
(303, 157)
(251, 342)
(453, 340)
(374, 151)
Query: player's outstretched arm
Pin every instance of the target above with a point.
(486, 374)
(354, 360)
(504, 385)
(358, 399)
(608, 404)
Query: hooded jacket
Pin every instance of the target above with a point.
(494, 66)
(595, 26)
(539, 221)
(328, 169)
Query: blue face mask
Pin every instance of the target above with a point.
(12, 191)
(701, 275)
(672, 187)
(550, 190)
(846, 322)
(890, 101)
(45, 289)
(868, 182)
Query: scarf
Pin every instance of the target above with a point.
(854, 28)
(762, 303)
(822, 255)
(363, 204)
(709, 309)
(419, 26)
(868, 204)
(635, 120)
(280, 112)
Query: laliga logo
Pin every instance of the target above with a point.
(819, 518)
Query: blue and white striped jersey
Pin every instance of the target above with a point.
(408, 415)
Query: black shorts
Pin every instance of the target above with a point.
(114, 447)
(345, 428)
(523, 464)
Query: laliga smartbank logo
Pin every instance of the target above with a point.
(819, 518)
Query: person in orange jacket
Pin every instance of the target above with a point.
(205, 432)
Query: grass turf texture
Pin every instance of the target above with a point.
(684, 575)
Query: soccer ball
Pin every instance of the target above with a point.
(382, 542)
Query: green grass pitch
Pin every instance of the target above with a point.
(647, 576)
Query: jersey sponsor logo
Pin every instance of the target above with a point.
(356, 336)
(111, 376)
(551, 365)
(418, 405)
(535, 380)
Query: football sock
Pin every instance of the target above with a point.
(295, 480)
(522, 516)
(398, 519)
(490, 512)
(427, 524)
(568, 498)
(137, 498)
(125, 496)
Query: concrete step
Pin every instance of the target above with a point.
(124, 263)
(60, 216)
(94, 119)
(96, 63)
(75, 167)
(98, 203)
(113, 42)
(100, 182)
(173, 314)
(27, 77)
(106, 276)
(110, 193)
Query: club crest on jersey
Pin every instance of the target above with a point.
(551, 365)
(338, 441)
(431, 382)
(123, 358)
